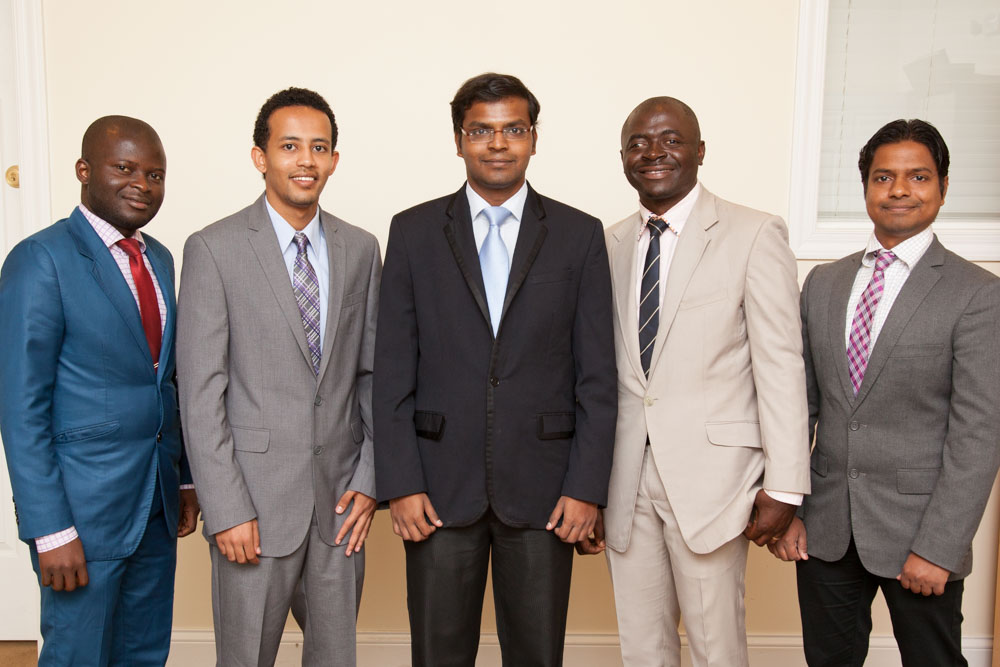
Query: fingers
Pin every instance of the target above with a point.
(342, 504)
(360, 533)
(578, 520)
(255, 544)
(413, 517)
(431, 514)
(64, 568)
(556, 514)
(241, 543)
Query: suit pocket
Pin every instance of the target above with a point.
(556, 425)
(819, 463)
(86, 432)
(351, 299)
(549, 276)
(909, 351)
(702, 299)
(733, 434)
(916, 480)
(357, 431)
(429, 425)
(250, 439)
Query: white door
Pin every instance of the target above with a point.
(20, 37)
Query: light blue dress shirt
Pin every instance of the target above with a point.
(316, 252)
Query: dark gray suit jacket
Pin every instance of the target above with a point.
(908, 464)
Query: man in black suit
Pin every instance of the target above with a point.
(495, 393)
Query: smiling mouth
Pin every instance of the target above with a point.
(138, 203)
(304, 179)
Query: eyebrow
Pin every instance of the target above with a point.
(512, 123)
(322, 140)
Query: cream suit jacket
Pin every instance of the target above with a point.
(725, 403)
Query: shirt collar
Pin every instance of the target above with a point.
(515, 204)
(109, 235)
(909, 251)
(676, 215)
(286, 233)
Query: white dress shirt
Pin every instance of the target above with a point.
(508, 230)
(907, 253)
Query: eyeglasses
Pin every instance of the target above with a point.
(482, 135)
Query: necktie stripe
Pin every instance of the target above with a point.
(649, 306)
(305, 285)
(858, 347)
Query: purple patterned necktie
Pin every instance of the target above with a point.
(306, 288)
(859, 345)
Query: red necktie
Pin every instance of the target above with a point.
(148, 307)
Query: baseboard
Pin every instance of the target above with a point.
(392, 649)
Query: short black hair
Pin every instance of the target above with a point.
(490, 87)
(906, 130)
(291, 97)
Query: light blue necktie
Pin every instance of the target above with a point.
(494, 261)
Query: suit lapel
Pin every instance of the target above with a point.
(691, 246)
(337, 255)
(458, 231)
(530, 237)
(264, 242)
(921, 280)
(840, 295)
(166, 283)
(109, 277)
(623, 268)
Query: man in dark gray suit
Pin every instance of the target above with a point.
(276, 332)
(902, 351)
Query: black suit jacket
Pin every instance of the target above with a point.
(511, 422)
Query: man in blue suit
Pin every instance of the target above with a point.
(88, 409)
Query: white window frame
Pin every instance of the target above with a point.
(810, 237)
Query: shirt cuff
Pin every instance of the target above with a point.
(55, 540)
(186, 486)
(786, 497)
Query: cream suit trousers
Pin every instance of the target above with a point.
(658, 580)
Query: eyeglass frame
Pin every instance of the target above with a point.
(504, 131)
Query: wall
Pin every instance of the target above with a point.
(199, 71)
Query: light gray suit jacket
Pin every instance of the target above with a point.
(724, 406)
(908, 464)
(265, 436)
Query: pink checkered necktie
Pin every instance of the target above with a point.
(305, 285)
(859, 345)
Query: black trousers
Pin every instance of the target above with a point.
(446, 581)
(835, 600)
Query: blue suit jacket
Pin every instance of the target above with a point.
(88, 425)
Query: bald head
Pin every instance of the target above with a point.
(661, 152)
(121, 172)
(654, 104)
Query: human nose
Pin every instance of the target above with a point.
(498, 141)
(305, 157)
(900, 188)
(653, 151)
(140, 181)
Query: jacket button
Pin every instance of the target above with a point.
(318, 401)
(318, 450)
(648, 401)
(853, 474)
(159, 437)
(854, 426)
(495, 381)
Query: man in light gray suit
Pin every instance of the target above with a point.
(276, 330)
(902, 352)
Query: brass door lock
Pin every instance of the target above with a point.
(12, 177)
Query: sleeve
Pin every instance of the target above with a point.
(774, 332)
(971, 454)
(203, 375)
(363, 480)
(398, 469)
(32, 325)
(589, 469)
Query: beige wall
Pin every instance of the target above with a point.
(199, 71)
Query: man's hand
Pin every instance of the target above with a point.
(593, 543)
(360, 517)
(578, 519)
(241, 543)
(922, 576)
(413, 517)
(792, 545)
(769, 519)
(188, 514)
(64, 568)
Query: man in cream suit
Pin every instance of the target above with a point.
(276, 334)
(902, 351)
(711, 409)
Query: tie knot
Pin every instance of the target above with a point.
(657, 225)
(883, 258)
(496, 214)
(301, 241)
(130, 246)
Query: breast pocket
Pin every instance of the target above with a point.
(255, 440)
